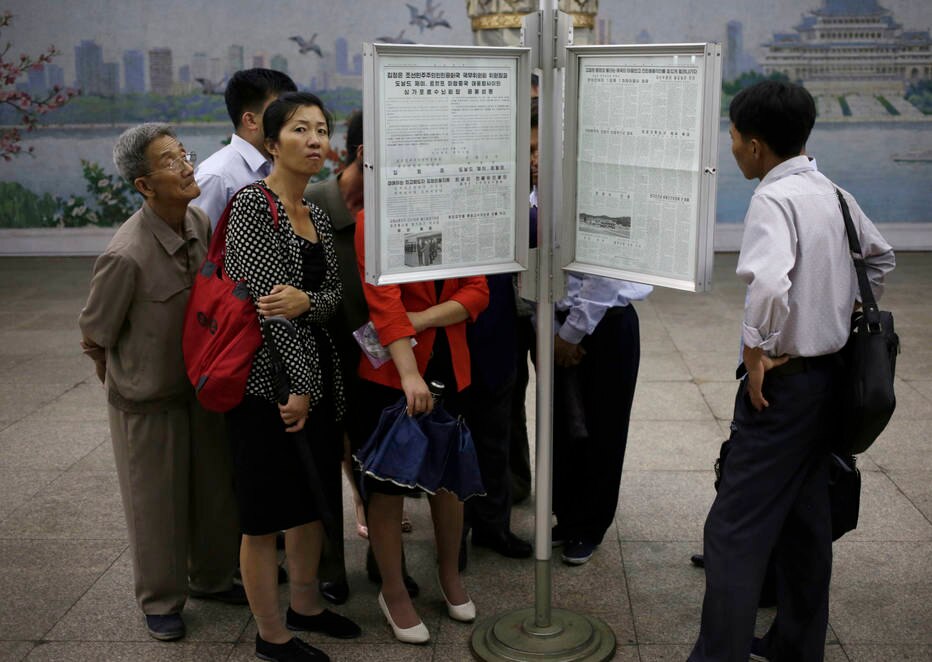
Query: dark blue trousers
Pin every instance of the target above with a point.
(773, 499)
(590, 432)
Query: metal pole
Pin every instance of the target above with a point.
(543, 633)
(547, 145)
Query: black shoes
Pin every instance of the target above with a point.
(326, 622)
(235, 595)
(166, 627)
(506, 544)
(294, 650)
(336, 593)
(697, 560)
(372, 572)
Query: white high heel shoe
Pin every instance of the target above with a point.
(416, 634)
(465, 613)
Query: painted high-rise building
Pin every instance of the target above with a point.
(134, 72)
(850, 46)
(160, 70)
(56, 75)
(603, 31)
(341, 47)
(199, 66)
(88, 62)
(37, 84)
(279, 63)
(109, 79)
(234, 59)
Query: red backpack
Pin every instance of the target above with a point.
(221, 330)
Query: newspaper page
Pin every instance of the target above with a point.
(638, 163)
(447, 162)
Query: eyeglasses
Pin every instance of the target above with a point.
(177, 164)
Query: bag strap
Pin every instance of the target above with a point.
(218, 242)
(867, 294)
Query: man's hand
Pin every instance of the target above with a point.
(294, 413)
(757, 363)
(286, 301)
(565, 353)
(98, 355)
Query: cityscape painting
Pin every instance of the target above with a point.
(102, 65)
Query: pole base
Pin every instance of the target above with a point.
(515, 637)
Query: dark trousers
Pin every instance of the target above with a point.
(590, 426)
(519, 457)
(773, 500)
(488, 414)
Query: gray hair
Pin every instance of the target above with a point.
(129, 152)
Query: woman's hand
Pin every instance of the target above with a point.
(416, 393)
(294, 413)
(286, 301)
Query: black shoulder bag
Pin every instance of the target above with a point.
(867, 399)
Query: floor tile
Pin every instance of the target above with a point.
(41, 580)
(77, 505)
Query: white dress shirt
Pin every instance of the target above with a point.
(797, 266)
(225, 172)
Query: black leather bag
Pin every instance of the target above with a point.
(867, 399)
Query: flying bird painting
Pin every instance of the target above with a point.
(304, 46)
(400, 39)
(428, 17)
(211, 87)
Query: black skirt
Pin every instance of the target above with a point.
(270, 478)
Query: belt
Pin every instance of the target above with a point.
(795, 366)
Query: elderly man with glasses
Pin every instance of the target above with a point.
(171, 456)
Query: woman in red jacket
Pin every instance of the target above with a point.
(435, 314)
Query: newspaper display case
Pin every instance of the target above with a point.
(446, 161)
(641, 150)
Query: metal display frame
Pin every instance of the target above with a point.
(709, 55)
(374, 56)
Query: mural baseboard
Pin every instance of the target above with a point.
(54, 241)
(93, 241)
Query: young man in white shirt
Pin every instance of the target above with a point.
(244, 160)
(801, 290)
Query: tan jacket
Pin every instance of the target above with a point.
(135, 309)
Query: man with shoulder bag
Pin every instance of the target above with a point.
(773, 500)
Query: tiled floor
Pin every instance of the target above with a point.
(65, 577)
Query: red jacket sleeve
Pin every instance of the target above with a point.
(386, 309)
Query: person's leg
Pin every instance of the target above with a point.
(214, 525)
(327, 451)
(302, 547)
(152, 463)
(384, 517)
(446, 510)
(258, 562)
(487, 413)
(803, 557)
(608, 375)
(771, 456)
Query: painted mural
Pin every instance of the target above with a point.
(75, 73)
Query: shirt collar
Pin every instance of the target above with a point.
(252, 156)
(167, 237)
(793, 166)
